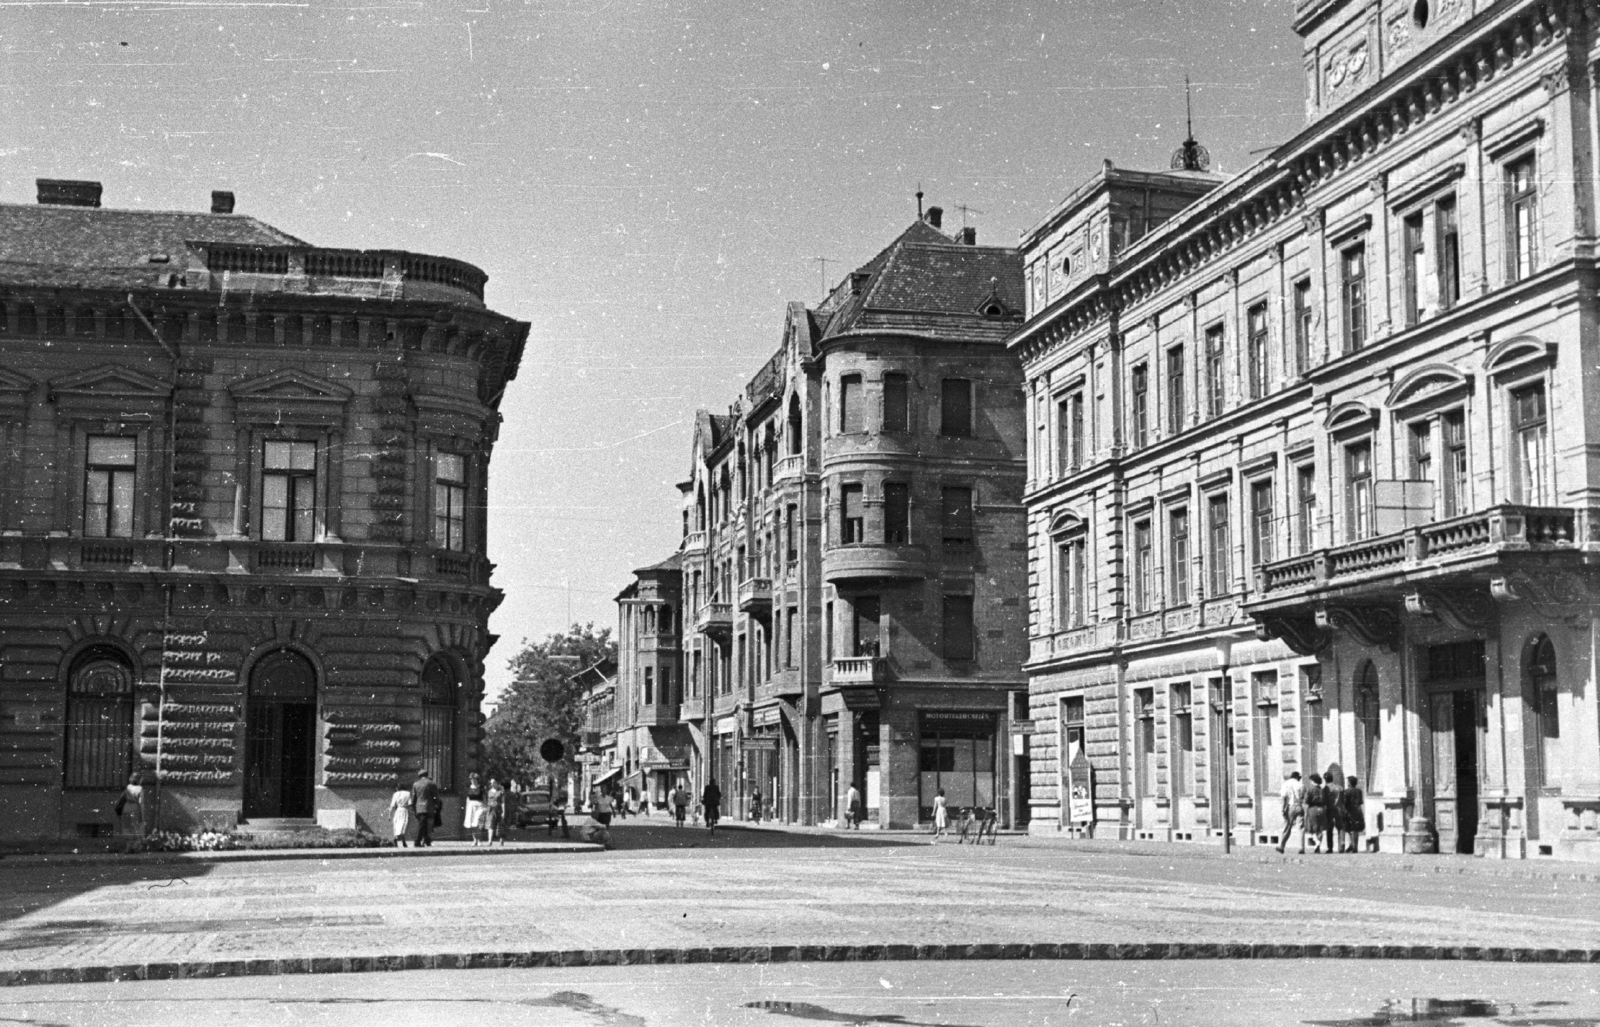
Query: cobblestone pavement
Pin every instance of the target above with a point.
(665, 887)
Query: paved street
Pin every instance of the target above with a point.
(664, 887)
(1215, 994)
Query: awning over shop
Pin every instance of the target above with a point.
(608, 775)
(654, 759)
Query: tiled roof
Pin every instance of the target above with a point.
(93, 245)
(671, 563)
(924, 272)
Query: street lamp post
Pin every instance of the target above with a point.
(1222, 703)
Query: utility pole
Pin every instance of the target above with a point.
(822, 272)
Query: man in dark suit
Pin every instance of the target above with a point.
(425, 799)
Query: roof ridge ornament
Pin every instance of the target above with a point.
(1191, 156)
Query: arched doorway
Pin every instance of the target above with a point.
(280, 737)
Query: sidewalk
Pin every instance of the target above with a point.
(438, 849)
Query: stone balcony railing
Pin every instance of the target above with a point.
(694, 542)
(714, 619)
(755, 595)
(54, 554)
(860, 670)
(789, 467)
(1425, 547)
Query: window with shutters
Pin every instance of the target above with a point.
(955, 517)
(851, 523)
(958, 634)
(850, 412)
(955, 407)
(896, 512)
(896, 403)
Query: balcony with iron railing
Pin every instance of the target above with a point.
(1473, 544)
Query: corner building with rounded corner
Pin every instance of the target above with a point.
(852, 560)
(242, 494)
(1312, 483)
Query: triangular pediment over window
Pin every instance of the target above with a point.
(110, 382)
(14, 390)
(289, 384)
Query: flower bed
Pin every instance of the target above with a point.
(226, 841)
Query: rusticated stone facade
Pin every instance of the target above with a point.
(242, 492)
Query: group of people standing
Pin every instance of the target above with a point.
(422, 804)
(1332, 817)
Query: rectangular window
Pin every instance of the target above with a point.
(1353, 292)
(1216, 371)
(450, 501)
(649, 686)
(1261, 523)
(1220, 544)
(896, 512)
(1421, 446)
(790, 551)
(1530, 449)
(850, 413)
(1075, 424)
(958, 633)
(1180, 711)
(1144, 742)
(896, 403)
(1305, 506)
(1143, 568)
(1302, 326)
(1178, 556)
(1069, 568)
(827, 630)
(955, 517)
(1414, 266)
(866, 614)
(108, 491)
(1522, 213)
(1259, 370)
(1071, 729)
(288, 491)
(1457, 488)
(1175, 398)
(788, 637)
(1447, 230)
(850, 515)
(1140, 385)
(1358, 491)
(1268, 741)
(955, 407)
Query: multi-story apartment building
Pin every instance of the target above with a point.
(596, 763)
(651, 739)
(853, 553)
(242, 494)
(1311, 481)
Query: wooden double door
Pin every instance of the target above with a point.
(1457, 718)
(280, 750)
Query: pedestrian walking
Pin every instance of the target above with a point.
(1316, 812)
(472, 820)
(1355, 814)
(426, 803)
(941, 817)
(400, 806)
(755, 805)
(135, 803)
(852, 808)
(1333, 788)
(1294, 810)
(600, 808)
(680, 803)
(494, 805)
(711, 799)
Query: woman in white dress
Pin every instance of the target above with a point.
(400, 813)
(941, 819)
(473, 821)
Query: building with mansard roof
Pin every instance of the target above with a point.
(242, 494)
(1310, 485)
(852, 564)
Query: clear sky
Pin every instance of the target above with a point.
(646, 182)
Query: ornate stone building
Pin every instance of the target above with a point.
(651, 740)
(242, 494)
(853, 553)
(1311, 480)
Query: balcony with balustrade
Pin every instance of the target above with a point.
(715, 619)
(864, 563)
(1474, 555)
(755, 597)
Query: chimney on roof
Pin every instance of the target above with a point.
(934, 216)
(221, 202)
(969, 236)
(858, 281)
(67, 192)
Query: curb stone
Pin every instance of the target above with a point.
(983, 951)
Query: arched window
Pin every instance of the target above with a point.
(1369, 723)
(99, 735)
(1540, 693)
(441, 687)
